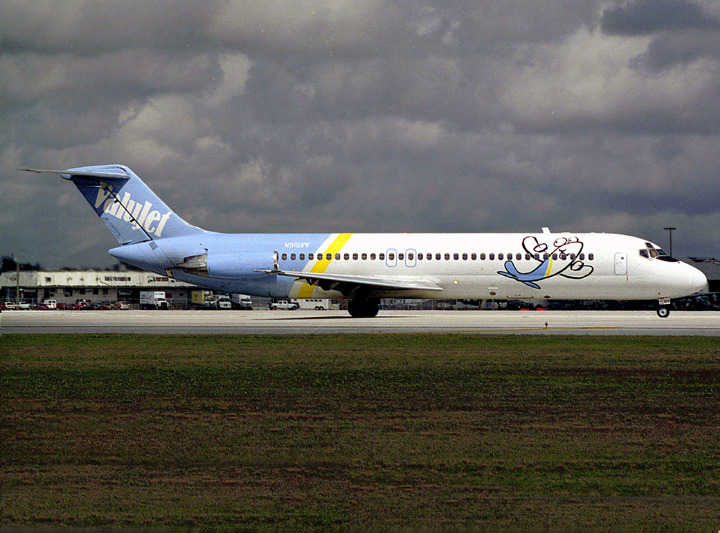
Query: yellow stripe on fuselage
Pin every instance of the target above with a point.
(549, 268)
(321, 265)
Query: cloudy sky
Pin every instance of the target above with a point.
(364, 115)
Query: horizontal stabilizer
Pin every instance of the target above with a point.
(85, 174)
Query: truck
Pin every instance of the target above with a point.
(153, 300)
(241, 301)
(198, 297)
(291, 305)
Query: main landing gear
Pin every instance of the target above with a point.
(363, 307)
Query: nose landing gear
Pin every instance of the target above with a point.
(663, 310)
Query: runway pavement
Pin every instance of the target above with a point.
(680, 323)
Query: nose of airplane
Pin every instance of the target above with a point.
(698, 281)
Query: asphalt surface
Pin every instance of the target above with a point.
(680, 323)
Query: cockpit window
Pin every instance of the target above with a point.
(651, 251)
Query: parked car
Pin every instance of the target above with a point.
(223, 302)
(49, 303)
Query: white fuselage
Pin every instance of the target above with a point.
(469, 264)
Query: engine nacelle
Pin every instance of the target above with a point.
(230, 265)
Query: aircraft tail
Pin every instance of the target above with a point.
(129, 209)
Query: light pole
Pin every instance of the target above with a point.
(670, 230)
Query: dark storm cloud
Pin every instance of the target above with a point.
(649, 16)
(381, 115)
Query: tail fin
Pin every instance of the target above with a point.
(129, 209)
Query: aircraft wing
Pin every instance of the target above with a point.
(349, 284)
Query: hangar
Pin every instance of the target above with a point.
(94, 286)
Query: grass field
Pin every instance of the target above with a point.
(360, 432)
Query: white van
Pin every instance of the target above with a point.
(223, 302)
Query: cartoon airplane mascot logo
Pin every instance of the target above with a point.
(564, 259)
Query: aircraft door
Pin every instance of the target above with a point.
(621, 264)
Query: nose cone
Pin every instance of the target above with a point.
(681, 279)
(698, 281)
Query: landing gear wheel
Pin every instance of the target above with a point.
(663, 311)
(363, 307)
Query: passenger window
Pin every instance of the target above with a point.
(546, 256)
(401, 257)
(372, 257)
(482, 257)
(302, 257)
(364, 257)
(518, 257)
(381, 257)
(582, 257)
(420, 256)
(328, 257)
(284, 257)
(429, 257)
(310, 257)
(355, 257)
(337, 257)
(491, 257)
(465, 257)
(500, 257)
(293, 257)
(527, 257)
(438, 257)
(391, 257)
(473, 257)
(346, 257)
(447, 257)
(411, 257)
(591, 257)
(456, 256)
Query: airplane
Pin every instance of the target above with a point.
(365, 267)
